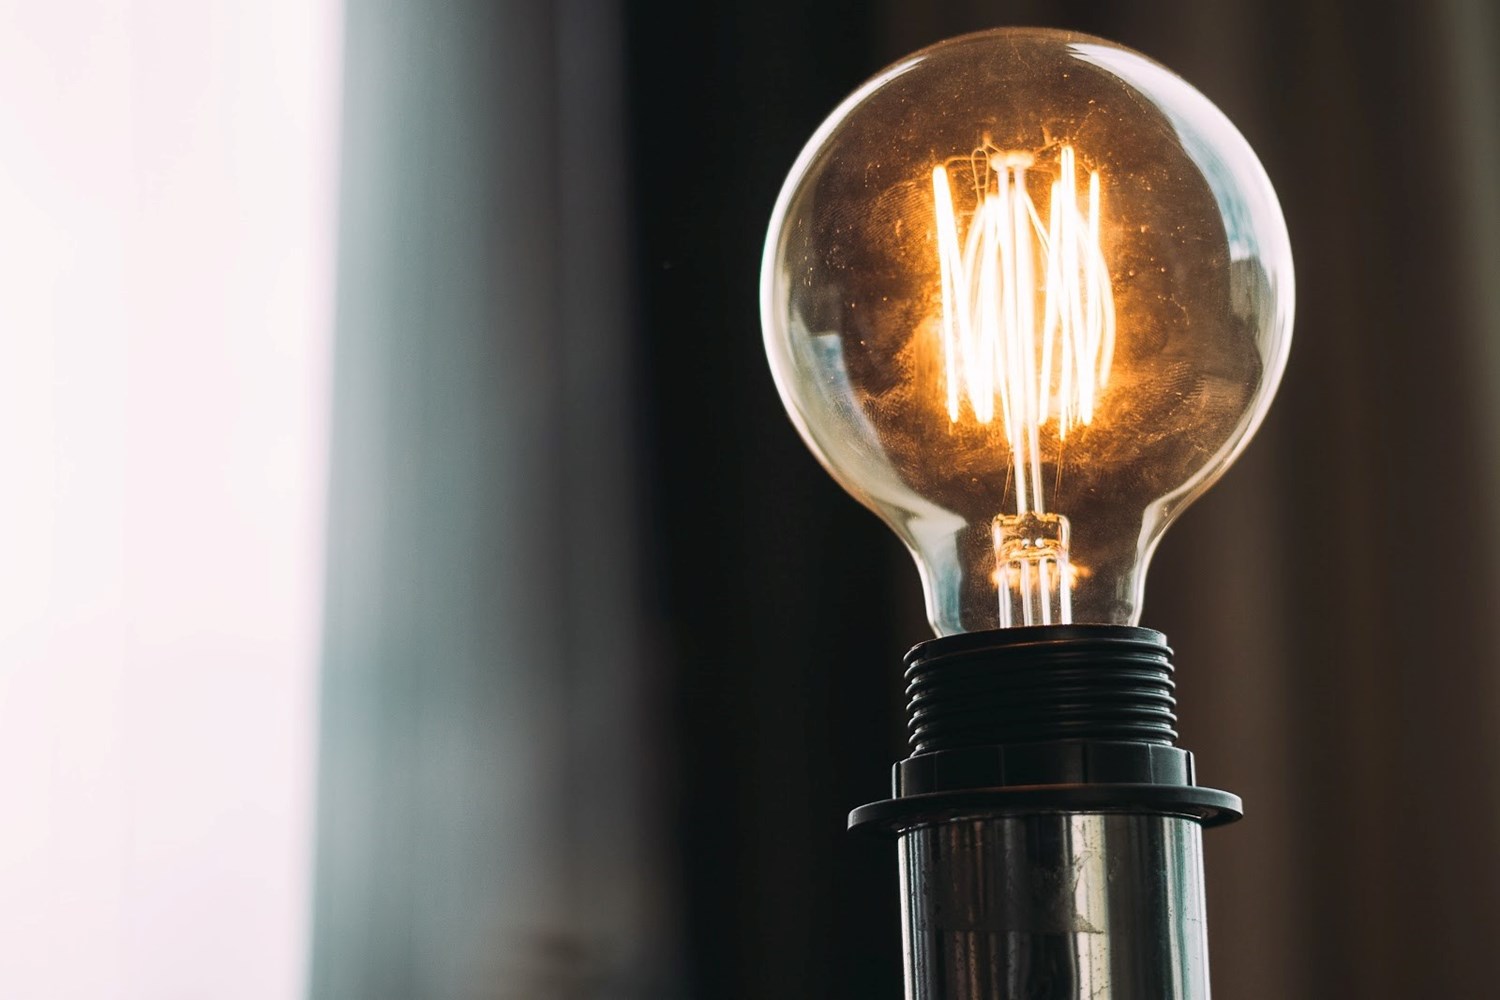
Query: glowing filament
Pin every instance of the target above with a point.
(1028, 316)
(1029, 333)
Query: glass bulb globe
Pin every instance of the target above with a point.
(1026, 294)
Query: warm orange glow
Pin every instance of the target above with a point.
(1029, 332)
(1028, 315)
(1006, 576)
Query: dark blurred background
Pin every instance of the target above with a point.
(608, 657)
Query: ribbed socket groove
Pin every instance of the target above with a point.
(1038, 685)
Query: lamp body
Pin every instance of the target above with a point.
(1055, 906)
(1026, 294)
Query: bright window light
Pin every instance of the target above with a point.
(167, 207)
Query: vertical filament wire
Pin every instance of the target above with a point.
(1040, 366)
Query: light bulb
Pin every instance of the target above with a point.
(1026, 294)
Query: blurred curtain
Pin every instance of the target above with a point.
(1333, 602)
(484, 828)
(608, 657)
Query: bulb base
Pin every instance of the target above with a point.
(1071, 718)
(1040, 684)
